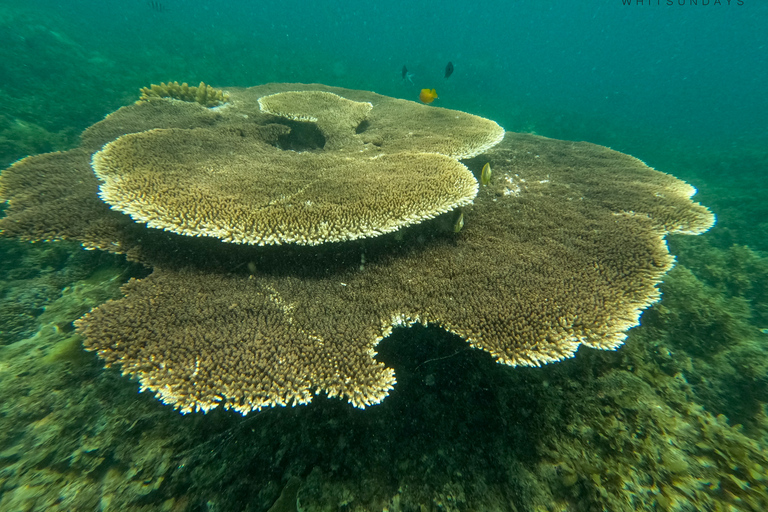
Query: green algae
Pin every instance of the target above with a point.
(34, 277)
(53, 424)
(710, 322)
(20, 138)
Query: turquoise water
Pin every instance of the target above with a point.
(682, 87)
(626, 74)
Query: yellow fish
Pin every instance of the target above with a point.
(485, 175)
(459, 223)
(428, 95)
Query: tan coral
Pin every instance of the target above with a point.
(336, 117)
(203, 94)
(141, 116)
(396, 124)
(241, 190)
(564, 247)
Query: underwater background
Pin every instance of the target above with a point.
(674, 420)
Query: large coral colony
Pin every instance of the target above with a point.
(291, 227)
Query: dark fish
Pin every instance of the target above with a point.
(156, 6)
(407, 76)
(448, 69)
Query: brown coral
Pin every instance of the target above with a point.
(532, 276)
(564, 247)
(53, 196)
(250, 348)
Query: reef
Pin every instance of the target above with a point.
(675, 420)
(585, 224)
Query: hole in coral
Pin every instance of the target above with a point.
(302, 137)
(66, 327)
(362, 126)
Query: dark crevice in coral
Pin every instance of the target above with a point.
(302, 137)
(362, 126)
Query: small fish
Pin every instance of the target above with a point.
(428, 95)
(156, 6)
(448, 69)
(485, 174)
(459, 222)
(407, 76)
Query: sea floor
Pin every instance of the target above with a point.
(673, 420)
